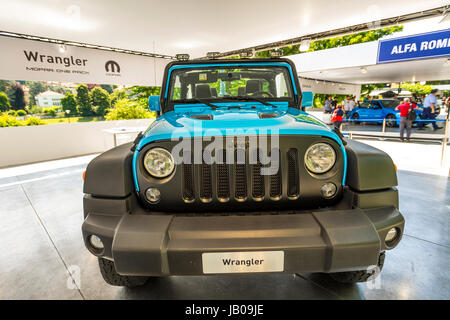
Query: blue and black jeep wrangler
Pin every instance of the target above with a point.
(234, 177)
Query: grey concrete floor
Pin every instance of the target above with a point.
(42, 253)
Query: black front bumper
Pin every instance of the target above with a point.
(316, 241)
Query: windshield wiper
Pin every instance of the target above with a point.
(198, 101)
(252, 99)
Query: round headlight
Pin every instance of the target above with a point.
(159, 162)
(320, 157)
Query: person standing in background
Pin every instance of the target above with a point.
(338, 117)
(345, 106)
(429, 105)
(447, 107)
(334, 103)
(327, 104)
(404, 109)
(350, 105)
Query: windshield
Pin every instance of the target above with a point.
(391, 103)
(215, 84)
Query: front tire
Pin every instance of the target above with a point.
(111, 277)
(391, 120)
(360, 276)
(355, 116)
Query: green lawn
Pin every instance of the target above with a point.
(72, 120)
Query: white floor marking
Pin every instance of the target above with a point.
(50, 176)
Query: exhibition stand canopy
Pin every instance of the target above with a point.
(408, 58)
(194, 27)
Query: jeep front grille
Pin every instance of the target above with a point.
(258, 181)
(205, 183)
(239, 186)
(188, 183)
(275, 185)
(223, 180)
(293, 185)
(240, 176)
(241, 181)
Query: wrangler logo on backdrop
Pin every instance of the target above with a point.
(65, 62)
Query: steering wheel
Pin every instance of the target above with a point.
(261, 93)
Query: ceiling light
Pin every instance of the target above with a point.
(62, 48)
(363, 70)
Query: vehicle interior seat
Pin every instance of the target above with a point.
(241, 91)
(253, 86)
(214, 92)
(202, 91)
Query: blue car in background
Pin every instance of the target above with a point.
(378, 109)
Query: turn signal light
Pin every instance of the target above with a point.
(84, 174)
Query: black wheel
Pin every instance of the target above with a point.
(355, 116)
(360, 276)
(113, 278)
(391, 120)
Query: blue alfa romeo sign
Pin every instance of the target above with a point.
(427, 45)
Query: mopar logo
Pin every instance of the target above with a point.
(112, 66)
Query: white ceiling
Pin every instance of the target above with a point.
(192, 26)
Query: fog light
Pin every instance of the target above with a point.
(391, 235)
(153, 195)
(328, 190)
(96, 242)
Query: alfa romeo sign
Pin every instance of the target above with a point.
(427, 45)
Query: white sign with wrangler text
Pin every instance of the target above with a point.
(243, 262)
(22, 59)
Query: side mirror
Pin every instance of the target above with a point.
(153, 103)
(307, 99)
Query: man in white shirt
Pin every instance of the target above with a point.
(429, 105)
(346, 104)
(351, 103)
